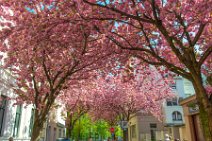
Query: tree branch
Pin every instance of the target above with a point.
(199, 33)
(205, 55)
(46, 71)
(119, 12)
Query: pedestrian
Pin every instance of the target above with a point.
(167, 137)
(11, 139)
(90, 139)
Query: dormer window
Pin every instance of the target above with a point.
(172, 102)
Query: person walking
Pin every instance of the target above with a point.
(167, 137)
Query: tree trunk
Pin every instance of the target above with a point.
(206, 121)
(69, 131)
(35, 132)
(205, 107)
(125, 135)
(37, 126)
(79, 133)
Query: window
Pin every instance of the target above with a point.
(153, 125)
(17, 120)
(153, 135)
(173, 87)
(64, 133)
(31, 122)
(172, 102)
(60, 133)
(3, 104)
(176, 116)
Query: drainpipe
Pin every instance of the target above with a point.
(47, 126)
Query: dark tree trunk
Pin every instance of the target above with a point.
(206, 121)
(37, 126)
(35, 133)
(125, 135)
(69, 131)
(70, 125)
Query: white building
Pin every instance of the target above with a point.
(173, 112)
(17, 120)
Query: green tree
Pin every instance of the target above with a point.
(85, 128)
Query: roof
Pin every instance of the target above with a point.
(188, 100)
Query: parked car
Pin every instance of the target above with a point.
(63, 139)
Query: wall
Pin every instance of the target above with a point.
(168, 110)
(188, 88)
(10, 111)
(56, 123)
(183, 89)
(193, 128)
(143, 129)
(9, 120)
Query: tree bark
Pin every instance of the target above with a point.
(206, 122)
(35, 132)
(205, 107)
(125, 135)
(37, 127)
(69, 131)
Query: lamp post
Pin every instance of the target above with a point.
(124, 126)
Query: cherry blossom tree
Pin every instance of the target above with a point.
(170, 33)
(117, 99)
(77, 103)
(73, 115)
(47, 49)
(175, 34)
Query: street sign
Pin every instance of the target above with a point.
(112, 130)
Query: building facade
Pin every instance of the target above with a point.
(56, 124)
(192, 130)
(17, 120)
(143, 126)
(173, 111)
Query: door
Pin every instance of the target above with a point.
(198, 133)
